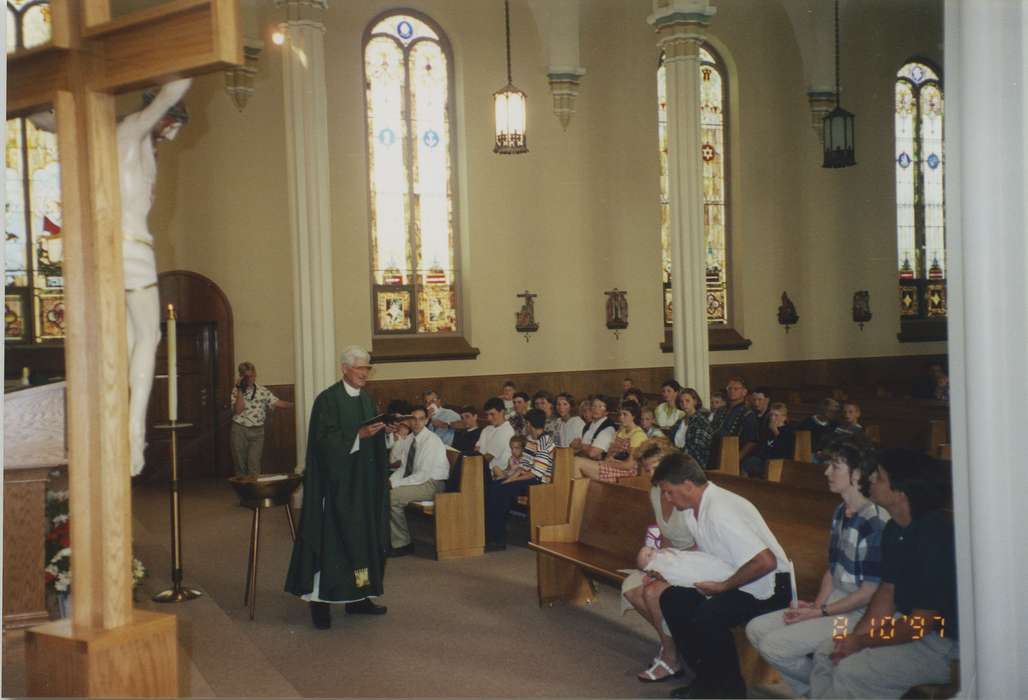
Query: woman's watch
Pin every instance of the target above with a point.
(824, 610)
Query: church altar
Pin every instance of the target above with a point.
(34, 446)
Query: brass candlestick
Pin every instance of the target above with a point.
(177, 593)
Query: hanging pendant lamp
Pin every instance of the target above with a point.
(838, 125)
(511, 107)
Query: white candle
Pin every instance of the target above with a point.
(172, 366)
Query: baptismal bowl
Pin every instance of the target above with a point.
(265, 491)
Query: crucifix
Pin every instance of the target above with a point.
(525, 317)
(107, 648)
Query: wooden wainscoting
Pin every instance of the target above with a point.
(893, 376)
(280, 433)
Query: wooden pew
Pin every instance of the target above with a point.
(724, 455)
(604, 530)
(803, 450)
(938, 436)
(794, 472)
(459, 517)
(548, 503)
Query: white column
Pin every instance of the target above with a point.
(680, 25)
(986, 217)
(303, 63)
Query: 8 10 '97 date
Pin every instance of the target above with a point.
(885, 627)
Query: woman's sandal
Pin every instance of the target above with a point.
(650, 676)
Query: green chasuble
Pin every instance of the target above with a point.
(344, 527)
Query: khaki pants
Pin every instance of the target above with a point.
(247, 447)
(399, 497)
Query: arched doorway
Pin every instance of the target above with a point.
(204, 333)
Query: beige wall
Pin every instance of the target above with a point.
(577, 215)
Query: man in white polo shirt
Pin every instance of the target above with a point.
(494, 442)
(730, 528)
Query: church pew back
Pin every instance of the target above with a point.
(794, 472)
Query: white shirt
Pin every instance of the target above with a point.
(430, 461)
(496, 442)
(398, 450)
(568, 430)
(602, 439)
(732, 529)
(353, 393)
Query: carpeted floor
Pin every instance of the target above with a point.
(467, 628)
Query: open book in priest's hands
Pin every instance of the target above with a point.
(387, 418)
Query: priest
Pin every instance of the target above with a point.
(343, 540)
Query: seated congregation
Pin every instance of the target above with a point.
(837, 569)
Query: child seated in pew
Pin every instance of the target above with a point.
(465, 439)
(850, 423)
(648, 424)
(717, 400)
(517, 450)
(780, 443)
(821, 426)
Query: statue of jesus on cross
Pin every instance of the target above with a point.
(139, 133)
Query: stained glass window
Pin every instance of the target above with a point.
(409, 116)
(28, 23)
(715, 185)
(920, 222)
(33, 276)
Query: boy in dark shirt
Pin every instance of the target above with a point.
(465, 439)
(908, 636)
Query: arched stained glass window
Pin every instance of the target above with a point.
(33, 276)
(28, 23)
(411, 176)
(920, 221)
(713, 147)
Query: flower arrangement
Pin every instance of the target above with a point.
(58, 547)
(58, 543)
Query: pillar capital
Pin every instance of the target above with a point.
(680, 26)
(681, 14)
(304, 12)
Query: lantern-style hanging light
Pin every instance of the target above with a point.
(838, 125)
(511, 108)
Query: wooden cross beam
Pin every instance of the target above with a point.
(90, 59)
(172, 40)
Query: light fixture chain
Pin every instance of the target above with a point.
(507, 20)
(836, 53)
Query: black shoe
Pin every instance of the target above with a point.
(365, 607)
(402, 551)
(321, 615)
(495, 546)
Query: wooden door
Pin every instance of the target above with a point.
(197, 404)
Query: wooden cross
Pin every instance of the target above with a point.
(89, 60)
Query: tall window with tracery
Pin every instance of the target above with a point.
(408, 70)
(920, 221)
(713, 120)
(33, 275)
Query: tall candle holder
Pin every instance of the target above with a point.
(177, 593)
